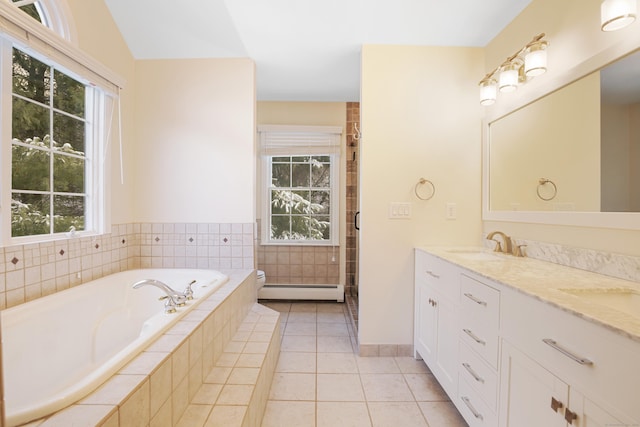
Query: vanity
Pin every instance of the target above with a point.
(519, 342)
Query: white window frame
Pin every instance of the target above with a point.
(278, 140)
(102, 93)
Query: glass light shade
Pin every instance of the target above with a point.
(535, 60)
(508, 80)
(488, 92)
(617, 14)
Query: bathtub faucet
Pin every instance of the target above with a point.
(173, 297)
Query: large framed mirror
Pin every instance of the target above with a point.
(572, 156)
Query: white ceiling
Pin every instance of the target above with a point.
(304, 50)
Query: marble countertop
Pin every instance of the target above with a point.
(548, 282)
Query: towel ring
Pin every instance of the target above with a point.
(423, 181)
(543, 181)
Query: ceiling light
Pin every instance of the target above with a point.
(617, 14)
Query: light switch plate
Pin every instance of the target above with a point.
(399, 210)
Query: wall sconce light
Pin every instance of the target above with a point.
(617, 14)
(528, 62)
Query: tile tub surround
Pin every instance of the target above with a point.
(544, 280)
(156, 387)
(31, 271)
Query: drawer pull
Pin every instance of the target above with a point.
(474, 337)
(556, 404)
(473, 373)
(432, 274)
(475, 413)
(433, 302)
(474, 299)
(556, 346)
(569, 416)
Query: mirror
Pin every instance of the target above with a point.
(574, 150)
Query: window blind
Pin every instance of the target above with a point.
(276, 140)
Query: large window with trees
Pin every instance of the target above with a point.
(300, 184)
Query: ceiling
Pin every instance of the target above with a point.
(304, 50)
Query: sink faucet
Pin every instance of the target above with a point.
(506, 239)
(173, 297)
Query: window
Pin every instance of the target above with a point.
(56, 106)
(300, 184)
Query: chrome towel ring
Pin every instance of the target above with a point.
(541, 183)
(423, 181)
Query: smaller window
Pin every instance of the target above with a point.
(300, 185)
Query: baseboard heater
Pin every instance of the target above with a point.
(302, 292)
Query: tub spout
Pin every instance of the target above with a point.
(174, 298)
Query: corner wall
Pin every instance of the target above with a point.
(420, 118)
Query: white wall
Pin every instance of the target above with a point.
(573, 29)
(195, 141)
(420, 118)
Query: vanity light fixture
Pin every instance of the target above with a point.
(617, 14)
(528, 62)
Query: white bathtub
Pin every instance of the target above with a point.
(59, 348)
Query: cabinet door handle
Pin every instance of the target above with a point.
(473, 410)
(553, 344)
(474, 337)
(474, 299)
(569, 416)
(556, 404)
(432, 274)
(473, 373)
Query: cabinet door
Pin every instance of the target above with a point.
(447, 345)
(588, 414)
(529, 392)
(426, 325)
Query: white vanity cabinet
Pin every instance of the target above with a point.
(437, 290)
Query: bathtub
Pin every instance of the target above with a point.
(59, 348)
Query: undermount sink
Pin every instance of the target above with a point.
(475, 254)
(625, 300)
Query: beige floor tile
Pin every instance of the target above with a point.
(331, 318)
(250, 360)
(226, 416)
(306, 307)
(248, 376)
(218, 375)
(409, 365)
(386, 388)
(337, 363)
(329, 307)
(289, 414)
(207, 395)
(425, 387)
(300, 329)
(327, 344)
(301, 317)
(339, 388)
(395, 414)
(287, 386)
(195, 416)
(333, 329)
(442, 414)
(282, 307)
(298, 343)
(343, 414)
(235, 394)
(296, 362)
(377, 365)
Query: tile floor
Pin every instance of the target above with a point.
(320, 381)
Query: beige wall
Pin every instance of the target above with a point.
(577, 43)
(195, 140)
(98, 36)
(420, 118)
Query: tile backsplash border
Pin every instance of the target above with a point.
(34, 270)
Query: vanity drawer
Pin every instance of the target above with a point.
(480, 376)
(597, 361)
(437, 273)
(473, 408)
(480, 308)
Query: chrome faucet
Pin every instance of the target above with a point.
(173, 297)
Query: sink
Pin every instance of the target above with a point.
(625, 300)
(475, 254)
